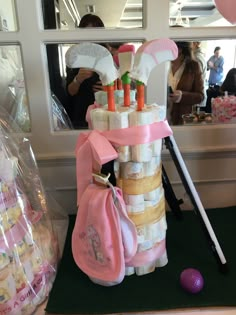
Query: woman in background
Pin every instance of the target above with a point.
(229, 84)
(81, 84)
(185, 80)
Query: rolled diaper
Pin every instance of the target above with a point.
(119, 97)
(143, 270)
(141, 152)
(144, 117)
(135, 209)
(151, 230)
(132, 170)
(152, 235)
(156, 231)
(100, 119)
(159, 114)
(134, 203)
(120, 120)
(129, 271)
(133, 200)
(151, 167)
(162, 261)
(101, 97)
(116, 168)
(154, 195)
(157, 147)
(124, 153)
(136, 183)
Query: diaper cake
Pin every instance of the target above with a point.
(135, 130)
(28, 247)
(224, 109)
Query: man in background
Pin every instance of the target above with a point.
(215, 65)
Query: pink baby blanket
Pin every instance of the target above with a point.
(104, 238)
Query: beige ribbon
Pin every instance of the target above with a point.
(141, 185)
(149, 215)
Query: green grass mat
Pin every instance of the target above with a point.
(74, 293)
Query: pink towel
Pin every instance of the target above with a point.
(104, 238)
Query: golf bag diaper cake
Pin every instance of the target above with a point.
(121, 230)
(28, 247)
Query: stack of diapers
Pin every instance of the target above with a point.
(28, 245)
(138, 174)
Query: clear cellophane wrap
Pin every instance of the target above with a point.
(28, 244)
(138, 173)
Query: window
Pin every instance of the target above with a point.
(32, 38)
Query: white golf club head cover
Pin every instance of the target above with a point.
(151, 54)
(95, 57)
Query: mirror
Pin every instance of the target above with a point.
(68, 107)
(66, 14)
(13, 97)
(57, 77)
(195, 13)
(194, 95)
(7, 16)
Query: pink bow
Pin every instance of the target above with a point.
(92, 151)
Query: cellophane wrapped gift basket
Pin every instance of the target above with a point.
(28, 244)
(130, 132)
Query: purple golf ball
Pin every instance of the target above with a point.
(191, 280)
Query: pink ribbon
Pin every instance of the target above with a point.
(95, 148)
(138, 134)
(92, 151)
(147, 256)
(26, 295)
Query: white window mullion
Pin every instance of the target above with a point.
(34, 61)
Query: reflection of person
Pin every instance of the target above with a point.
(185, 79)
(215, 65)
(229, 84)
(82, 83)
(200, 57)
